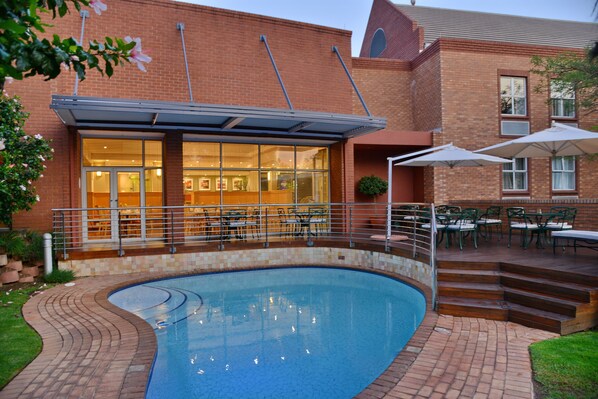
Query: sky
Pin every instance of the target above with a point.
(353, 14)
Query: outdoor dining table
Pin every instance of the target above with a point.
(303, 220)
(542, 219)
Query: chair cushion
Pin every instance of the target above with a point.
(462, 226)
(489, 221)
(529, 226)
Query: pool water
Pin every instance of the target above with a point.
(276, 333)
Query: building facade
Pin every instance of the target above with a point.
(268, 115)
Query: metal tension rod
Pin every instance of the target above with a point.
(181, 27)
(335, 50)
(84, 14)
(263, 39)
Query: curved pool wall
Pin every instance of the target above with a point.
(384, 310)
(200, 262)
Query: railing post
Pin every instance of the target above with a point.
(414, 233)
(351, 243)
(221, 245)
(121, 252)
(310, 242)
(64, 254)
(266, 244)
(172, 232)
(433, 233)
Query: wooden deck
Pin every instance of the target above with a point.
(534, 287)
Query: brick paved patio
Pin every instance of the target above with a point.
(92, 349)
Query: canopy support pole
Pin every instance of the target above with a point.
(284, 90)
(181, 27)
(335, 50)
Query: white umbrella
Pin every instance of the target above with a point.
(559, 140)
(454, 156)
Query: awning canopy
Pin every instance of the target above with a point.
(124, 114)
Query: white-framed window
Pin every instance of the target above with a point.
(514, 176)
(563, 173)
(562, 98)
(513, 96)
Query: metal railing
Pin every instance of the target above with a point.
(80, 229)
(218, 227)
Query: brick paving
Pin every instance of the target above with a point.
(92, 349)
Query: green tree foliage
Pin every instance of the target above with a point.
(569, 70)
(22, 159)
(24, 54)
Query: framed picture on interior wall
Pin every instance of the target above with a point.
(204, 184)
(224, 184)
(188, 184)
(238, 184)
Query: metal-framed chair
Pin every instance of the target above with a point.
(519, 221)
(490, 219)
(463, 225)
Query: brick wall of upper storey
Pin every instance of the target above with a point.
(471, 119)
(404, 38)
(228, 65)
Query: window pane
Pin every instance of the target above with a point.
(277, 187)
(507, 181)
(153, 154)
(242, 187)
(312, 158)
(521, 163)
(312, 187)
(277, 157)
(201, 155)
(112, 152)
(239, 155)
(520, 181)
(505, 86)
(520, 106)
(199, 187)
(153, 187)
(506, 105)
(569, 108)
(569, 163)
(519, 87)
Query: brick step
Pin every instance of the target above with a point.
(536, 318)
(467, 307)
(464, 265)
(470, 290)
(469, 276)
(550, 274)
(556, 289)
(543, 302)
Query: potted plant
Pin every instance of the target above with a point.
(374, 186)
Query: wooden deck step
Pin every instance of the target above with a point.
(550, 273)
(467, 265)
(536, 318)
(470, 290)
(572, 291)
(467, 307)
(543, 302)
(469, 276)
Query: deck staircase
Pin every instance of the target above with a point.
(533, 296)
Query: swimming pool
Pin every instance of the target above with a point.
(275, 333)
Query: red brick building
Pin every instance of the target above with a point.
(232, 136)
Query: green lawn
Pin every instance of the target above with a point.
(20, 343)
(567, 367)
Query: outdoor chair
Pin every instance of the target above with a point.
(212, 224)
(563, 219)
(440, 225)
(252, 223)
(519, 221)
(465, 224)
(404, 216)
(317, 217)
(288, 223)
(489, 220)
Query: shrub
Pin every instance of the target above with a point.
(34, 249)
(13, 243)
(372, 185)
(60, 276)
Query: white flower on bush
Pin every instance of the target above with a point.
(37, 198)
(22, 187)
(137, 56)
(38, 136)
(41, 157)
(2, 145)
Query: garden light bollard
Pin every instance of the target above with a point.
(47, 253)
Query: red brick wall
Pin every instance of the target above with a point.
(404, 38)
(228, 65)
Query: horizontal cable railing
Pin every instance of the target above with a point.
(90, 229)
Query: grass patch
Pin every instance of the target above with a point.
(20, 343)
(567, 367)
(60, 276)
